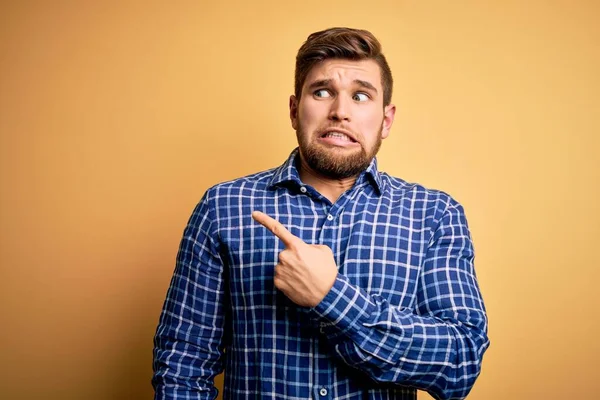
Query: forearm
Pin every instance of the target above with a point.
(187, 357)
(171, 389)
(397, 345)
(184, 366)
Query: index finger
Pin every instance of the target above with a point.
(288, 239)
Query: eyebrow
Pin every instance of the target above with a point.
(366, 84)
(326, 82)
(319, 83)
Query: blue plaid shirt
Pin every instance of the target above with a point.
(405, 310)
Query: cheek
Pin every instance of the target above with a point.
(303, 111)
(310, 108)
(371, 122)
(309, 116)
(304, 115)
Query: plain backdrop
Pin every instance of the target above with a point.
(116, 116)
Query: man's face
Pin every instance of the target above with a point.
(340, 119)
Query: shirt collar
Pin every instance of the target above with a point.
(288, 172)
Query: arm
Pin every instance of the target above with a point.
(438, 346)
(188, 342)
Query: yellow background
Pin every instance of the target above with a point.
(115, 117)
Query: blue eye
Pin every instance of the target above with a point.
(360, 97)
(322, 93)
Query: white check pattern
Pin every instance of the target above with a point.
(405, 311)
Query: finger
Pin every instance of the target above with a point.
(278, 278)
(323, 248)
(276, 228)
(280, 284)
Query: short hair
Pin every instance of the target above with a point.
(343, 43)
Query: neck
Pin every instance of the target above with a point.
(331, 188)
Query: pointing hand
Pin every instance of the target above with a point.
(305, 272)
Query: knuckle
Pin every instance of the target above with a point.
(325, 249)
(279, 283)
(285, 256)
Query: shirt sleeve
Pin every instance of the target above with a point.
(436, 346)
(188, 344)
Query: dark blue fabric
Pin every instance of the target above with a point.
(405, 311)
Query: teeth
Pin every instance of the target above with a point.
(337, 135)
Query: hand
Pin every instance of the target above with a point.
(305, 272)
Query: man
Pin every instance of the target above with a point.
(361, 287)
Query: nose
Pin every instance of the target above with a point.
(340, 110)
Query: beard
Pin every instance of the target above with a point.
(335, 163)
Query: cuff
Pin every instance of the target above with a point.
(344, 309)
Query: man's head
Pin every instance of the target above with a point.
(341, 108)
(343, 43)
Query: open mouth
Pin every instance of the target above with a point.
(337, 136)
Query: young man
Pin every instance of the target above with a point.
(325, 278)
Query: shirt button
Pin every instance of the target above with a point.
(323, 392)
(303, 189)
(329, 217)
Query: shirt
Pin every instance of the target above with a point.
(405, 311)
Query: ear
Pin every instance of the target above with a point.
(388, 119)
(294, 111)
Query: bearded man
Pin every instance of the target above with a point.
(325, 278)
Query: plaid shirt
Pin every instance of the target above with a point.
(405, 310)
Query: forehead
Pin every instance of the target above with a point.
(342, 71)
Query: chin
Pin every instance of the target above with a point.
(335, 162)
